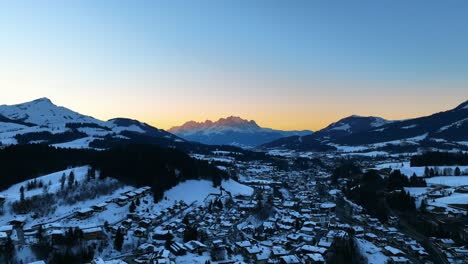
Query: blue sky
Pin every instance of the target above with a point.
(287, 64)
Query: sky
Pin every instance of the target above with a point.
(286, 64)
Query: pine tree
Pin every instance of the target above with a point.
(118, 241)
(457, 171)
(427, 172)
(22, 193)
(62, 181)
(9, 250)
(132, 207)
(71, 179)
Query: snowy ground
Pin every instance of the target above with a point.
(407, 170)
(452, 181)
(13, 193)
(372, 252)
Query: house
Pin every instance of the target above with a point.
(55, 235)
(99, 207)
(314, 258)
(290, 259)
(195, 246)
(146, 248)
(18, 221)
(399, 260)
(178, 249)
(84, 213)
(391, 251)
(140, 232)
(8, 229)
(122, 200)
(94, 233)
(278, 251)
(161, 234)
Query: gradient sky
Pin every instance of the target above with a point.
(286, 64)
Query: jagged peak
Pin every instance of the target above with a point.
(230, 121)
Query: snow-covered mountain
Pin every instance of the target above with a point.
(231, 131)
(41, 121)
(440, 130)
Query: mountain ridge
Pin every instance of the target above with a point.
(231, 130)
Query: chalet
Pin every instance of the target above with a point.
(278, 251)
(8, 229)
(370, 236)
(84, 213)
(218, 251)
(391, 251)
(127, 223)
(145, 223)
(95, 233)
(99, 207)
(399, 260)
(306, 249)
(290, 259)
(55, 235)
(242, 245)
(358, 230)
(307, 230)
(146, 248)
(195, 246)
(18, 221)
(161, 234)
(140, 232)
(122, 200)
(262, 257)
(178, 249)
(314, 258)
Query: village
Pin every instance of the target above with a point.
(268, 216)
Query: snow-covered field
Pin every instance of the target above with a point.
(452, 181)
(455, 198)
(196, 191)
(373, 253)
(407, 170)
(13, 193)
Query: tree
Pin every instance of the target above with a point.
(132, 207)
(190, 233)
(9, 250)
(22, 193)
(71, 179)
(423, 207)
(91, 174)
(457, 171)
(118, 241)
(62, 181)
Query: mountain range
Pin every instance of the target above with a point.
(442, 129)
(231, 131)
(41, 121)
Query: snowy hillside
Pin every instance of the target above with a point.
(444, 131)
(100, 205)
(41, 121)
